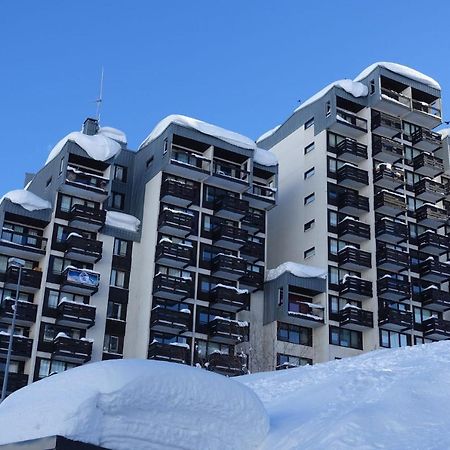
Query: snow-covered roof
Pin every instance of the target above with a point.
(299, 270)
(137, 405)
(27, 200)
(121, 220)
(101, 146)
(400, 70)
(268, 133)
(264, 157)
(113, 133)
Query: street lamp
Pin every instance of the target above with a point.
(20, 263)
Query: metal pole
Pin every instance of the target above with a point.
(11, 338)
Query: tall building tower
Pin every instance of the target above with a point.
(364, 198)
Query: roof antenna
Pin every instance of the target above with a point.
(100, 98)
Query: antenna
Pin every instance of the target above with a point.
(100, 97)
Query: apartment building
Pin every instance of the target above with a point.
(157, 253)
(364, 197)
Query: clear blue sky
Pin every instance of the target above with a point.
(239, 64)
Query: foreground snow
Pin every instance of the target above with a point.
(388, 399)
(137, 404)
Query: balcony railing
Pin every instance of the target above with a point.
(427, 108)
(252, 280)
(86, 180)
(177, 192)
(389, 203)
(355, 318)
(429, 191)
(83, 249)
(433, 243)
(228, 331)
(253, 251)
(435, 299)
(230, 207)
(350, 202)
(16, 381)
(351, 150)
(350, 119)
(176, 222)
(172, 254)
(25, 314)
(390, 259)
(29, 281)
(389, 178)
(86, 217)
(80, 281)
(72, 350)
(394, 320)
(351, 258)
(194, 160)
(395, 289)
(355, 288)
(306, 314)
(426, 140)
(229, 236)
(434, 328)
(229, 170)
(229, 365)
(22, 244)
(254, 221)
(431, 216)
(78, 315)
(174, 352)
(386, 150)
(397, 97)
(228, 266)
(169, 320)
(434, 271)
(228, 298)
(387, 230)
(172, 287)
(353, 230)
(385, 125)
(428, 165)
(352, 177)
(21, 347)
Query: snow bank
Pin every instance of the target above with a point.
(264, 157)
(391, 399)
(299, 270)
(99, 147)
(121, 220)
(27, 200)
(268, 133)
(400, 70)
(139, 405)
(113, 133)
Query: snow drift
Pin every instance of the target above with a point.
(392, 399)
(299, 270)
(139, 405)
(122, 220)
(26, 199)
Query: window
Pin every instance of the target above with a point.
(292, 361)
(117, 200)
(309, 173)
(118, 278)
(166, 146)
(309, 148)
(308, 225)
(392, 339)
(149, 162)
(111, 343)
(61, 166)
(309, 123)
(49, 182)
(309, 253)
(120, 247)
(346, 338)
(114, 310)
(280, 296)
(328, 109)
(372, 87)
(336, 304)
(48, 367)
(120, 173)
(294, 334)
(309, 198)
(332, 219)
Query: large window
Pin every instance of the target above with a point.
(346, 338)
(118, 200)
(309, 198)
(114, 310)
(294, 334)
(292, 361)
(48, 367)
(118, 278)
(392, 339)
(120, 247)
(111, 343)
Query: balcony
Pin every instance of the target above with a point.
(173, 255)
(426, 140)
(394, 103)
(188, 164)
(355, 288)
(429, 191)
(386, 177)
(87, 218)
(431, 216)
(434, 271)
(230, 208)
(76, 315)
(350, 202)
(351, 150)
(21, 348)
(229, 236)
(385, 124)
(228, 298)
(387, 230)
(425, 113)
(306, 314)
(176, 222)
(389, 203)
(253, 251)
(169, 321)
(30, 280)
(82, 249)
(229, 176)
(386, 150)
(354, 318)
(252, 280)
(85, 185)
(352, 230)
(391, 259)
(349, 124)
(352, 177)
(177, 192)
(254, 222)
(262, 197)
(228, 365)
(171, 287)
(227, 331)
(389, 288)
(228, 266)
(173, 352)
(80, 281)
(434, 328)
(435, 299)
(76, 351)
(428, 165)
(16, 381)
(26, 312)
(394, 319)
(351, 258)
(20, 245)
(432, 243)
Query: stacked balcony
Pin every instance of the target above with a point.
(227, 298)
(252, 280)
(87, 218)
(355, 288)
(385, 125)
(386, 150)
(188, 164)
(391, 259)
(77, 351)
(228, 266)
(437, 329)
(171, 287)
(77, 315)
(30, 280)
(176, 222)
(260, 196)
(434, 271)
(354, 318)
(306, 314)
(21, 347)
(229, 176)
(390, 231)
(394, 319)
(21, 245)
(253, 251)
(349, 124)
(351, 258)
(426, 140)
(350, 202)
(228, 365)
(351, 150)
(254, 222)
(386, 177)
(428, 165)
(25, 314)
(173, 352)
(435, 299)
(431, 216)
(169, 321)
(227, 331)
(352, 177)
(429, 191)
(177, 192)
(83, 249)
(230, 208)
(389, 203)
(432, 243)
(86, 185)
(80, 281)
(394, 103)
(352, 230)
(393, 289)
(174, 255)
(229, 236)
